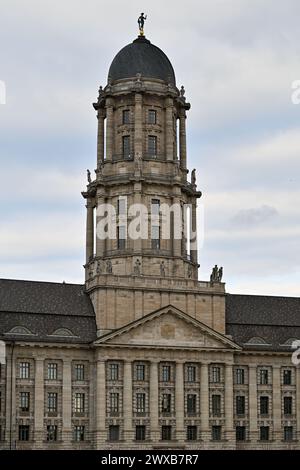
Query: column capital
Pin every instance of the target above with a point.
(101, 113)
(109, 102)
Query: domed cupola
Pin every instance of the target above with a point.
(141, 57)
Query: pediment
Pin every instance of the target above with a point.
(168, 327)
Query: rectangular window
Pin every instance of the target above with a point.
(79, 399)
(121, 229)
(140, 372)
(216, 405)
(166, 433)
(166, 373)
(155, 224)
(114, 402)
(240, 376)
(264, 377)
(288, 405)
(216, 374)
(240, 405)
(140, 433)
(287, 377)
(166, 403)
(52, 371)
(240, 432)
(23, 433)
(24, 368)
(264, 405)
(121, 208)
(191, 403)
(191, 433)
(79, 371)
(151, 116)
(114, 433)
(191, 373)
(113, 372)
(24, 401)
(126, 146)
(126, 116)
(288, 433)
(264, 433)
(79, 432)
(52, 402)
(152, 146)
(155, 207)
(216, 433)
(52, 433)
(140, 402)
(155, 237)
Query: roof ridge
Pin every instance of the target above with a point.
(43, 282)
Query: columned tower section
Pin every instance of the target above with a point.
(143, 262)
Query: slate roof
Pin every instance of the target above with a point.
(43, 307)
(142, 57)
(273, 319)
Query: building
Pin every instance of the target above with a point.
(143, 355)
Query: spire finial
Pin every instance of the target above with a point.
(141, 21)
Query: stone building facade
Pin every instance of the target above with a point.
(143, 355)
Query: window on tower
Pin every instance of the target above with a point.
(151, 116)
(126, 116)
(126, 146)
(155, 225)
(152, 146)
(121, 237)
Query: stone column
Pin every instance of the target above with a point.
(253, 431)
(39, 403)
(67, 403)
(138, 126)
(100, 139)
(109, 129)
(204, 402)
(229, 431)
(10, 411)
(92, 374)
(100, 404)
(277, 429)
(154, 402)
(128, 434)
(182, 138)
(297, 372)
(137, 199)
(169, 130)
(193, 238)
(176, 222)
(89, 230)
(179, 401)
(100, 243)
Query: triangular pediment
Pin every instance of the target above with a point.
(168, 327)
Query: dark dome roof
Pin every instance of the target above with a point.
(142, 57)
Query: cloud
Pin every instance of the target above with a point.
(247, 218)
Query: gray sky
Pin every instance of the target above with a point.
(237, 60)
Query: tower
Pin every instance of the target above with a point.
(141, 182)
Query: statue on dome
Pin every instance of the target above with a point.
(141, 22)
